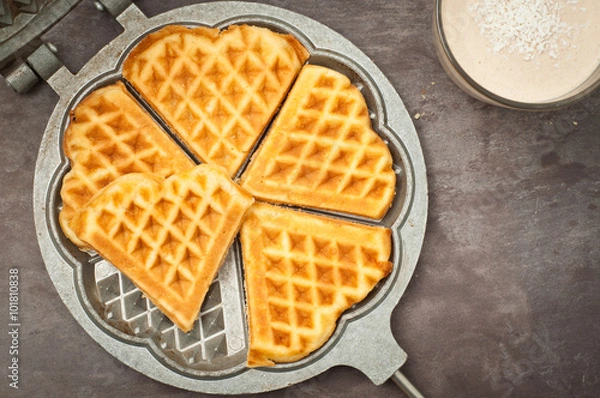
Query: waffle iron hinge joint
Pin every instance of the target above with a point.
(42, 63)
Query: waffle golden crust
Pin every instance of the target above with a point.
(302, 271)
(168, 236)
(322, 152)
(216, 89)
(111, 135)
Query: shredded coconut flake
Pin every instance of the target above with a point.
(528, 27)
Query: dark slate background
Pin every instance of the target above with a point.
(505, 301)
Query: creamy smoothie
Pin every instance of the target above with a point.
(531, 51)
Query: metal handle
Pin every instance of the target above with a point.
(405, 385)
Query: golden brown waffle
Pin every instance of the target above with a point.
(216, 89)
(168, 236)
(302, 271)
(322, 152)
(111, 135)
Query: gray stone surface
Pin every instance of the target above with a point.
(505, 301)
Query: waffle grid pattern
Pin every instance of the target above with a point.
(166, 249)
(293, 264)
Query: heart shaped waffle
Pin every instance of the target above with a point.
(302, 271)
(168, 236)
(322, 152)
(216, 89)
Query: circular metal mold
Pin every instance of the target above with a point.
(211, 358)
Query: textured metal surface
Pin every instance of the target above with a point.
(211, 359)
(216, 341)
(21, 78)
(43, 61)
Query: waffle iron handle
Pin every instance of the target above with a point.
(378, 355)
(405, 385)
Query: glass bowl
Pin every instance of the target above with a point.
(468, 84)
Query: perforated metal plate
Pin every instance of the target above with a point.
(211, 358)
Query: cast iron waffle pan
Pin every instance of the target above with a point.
(212, 357)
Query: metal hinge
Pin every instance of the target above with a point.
(41, 63)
